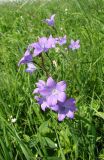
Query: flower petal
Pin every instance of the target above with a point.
(55, 107)
(70, 114)
(62, 40)
(42, 41)
(61, 97)
(50, 82)
(40, 84)
(61, 86)
(51, 42)
(36, 90)
(61, 116)
(44, 106)
(38, 49)
(52, 17)
(52, 100)
(31, 68)
(45, 92)
(25, 59)
(70, 101)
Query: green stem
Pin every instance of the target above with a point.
(43, 66)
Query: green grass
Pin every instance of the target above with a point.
(37, 135)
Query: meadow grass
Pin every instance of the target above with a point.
(37, 135)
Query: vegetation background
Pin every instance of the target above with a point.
(38, 135)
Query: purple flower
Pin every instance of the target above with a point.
(27, 55)
(53, 92)
(40, 85)
(50, 21)
(51, 42)
(26, 58)
(52, 95)
(74, 44)
(42, 101)
(43, 45)
(31, 68)
(61, 40)
(66, 109)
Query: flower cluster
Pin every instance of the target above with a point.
(37, 48)
(52, 95)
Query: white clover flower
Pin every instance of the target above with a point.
(13, 120)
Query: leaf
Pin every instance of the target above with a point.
(54, 158)
(26, 138)
(44, 128)
(100, 114)
(49, 143)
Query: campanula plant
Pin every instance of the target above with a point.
(50, 94)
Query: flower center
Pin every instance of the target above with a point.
(54, 92)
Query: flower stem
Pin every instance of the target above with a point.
(43, 65)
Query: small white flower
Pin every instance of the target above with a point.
(55, 144)
(21, 17)
(11, 116)
(66, 49)
(13, 120)
(55, 63)
(61, 29)
(66, 9)
(57, 49)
